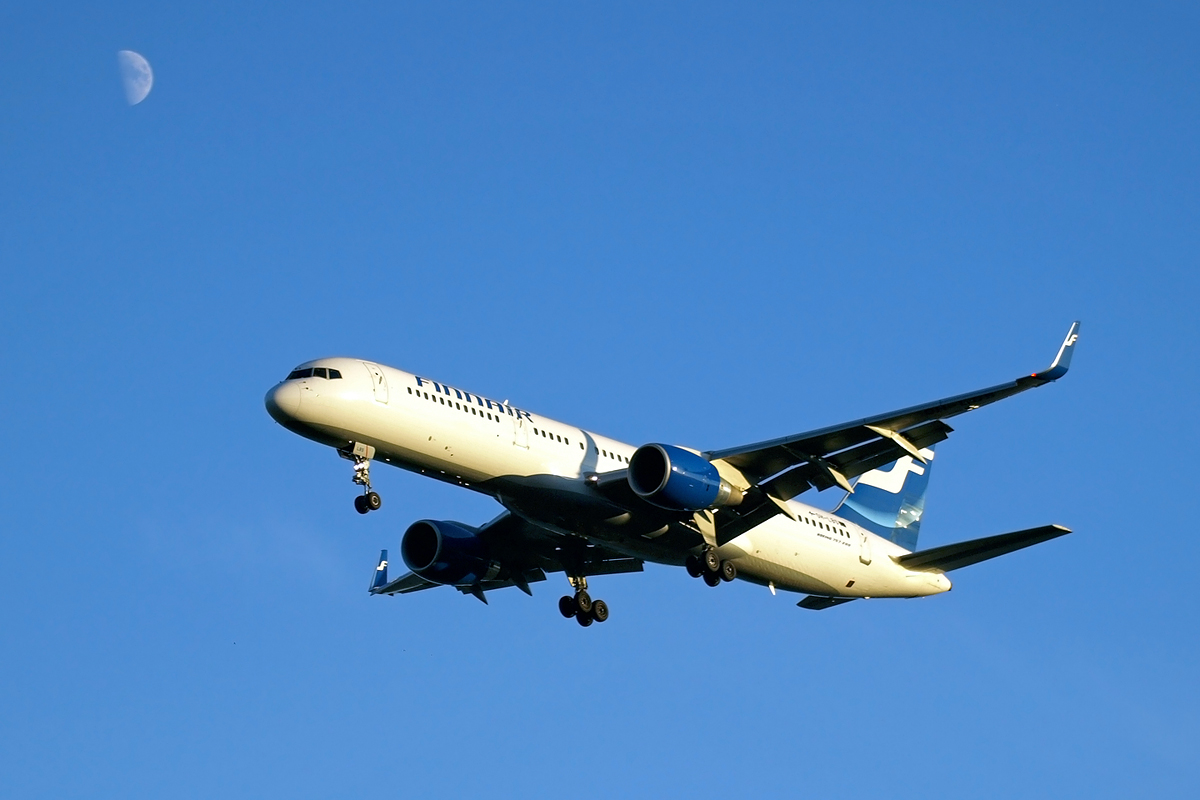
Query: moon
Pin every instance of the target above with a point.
(135, 75)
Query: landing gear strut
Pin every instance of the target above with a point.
(361, 455)
(581, 606)
(708, 565)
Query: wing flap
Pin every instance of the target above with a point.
(964, 554)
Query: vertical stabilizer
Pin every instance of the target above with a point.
(889, 501)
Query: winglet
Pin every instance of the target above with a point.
(379, 579)
(1063, 360)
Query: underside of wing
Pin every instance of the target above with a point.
(523, 553)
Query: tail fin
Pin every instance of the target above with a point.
(379, 579)
(889, 501)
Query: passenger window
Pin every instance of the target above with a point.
(335, 375)
(320, 372)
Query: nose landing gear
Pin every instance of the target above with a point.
(581, 606)
(361, 455)
(708, 565)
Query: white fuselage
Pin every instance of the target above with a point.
(538, 468)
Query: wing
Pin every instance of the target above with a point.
(526, 552)
(830, 456)
(779, 469)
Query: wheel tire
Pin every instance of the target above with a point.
(360, 504)
(599, 610)
(566, 606)
(728, 570)
(712, 562)
(693, 567)
(374, 501)
(584, 620)
(583, 601)
(712, 578)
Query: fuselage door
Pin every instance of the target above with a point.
(378, 381)
(520, 430)
(864, 553)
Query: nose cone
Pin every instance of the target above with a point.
(283, 402)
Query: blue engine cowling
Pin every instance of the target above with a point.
(677, 479)
(447, 553)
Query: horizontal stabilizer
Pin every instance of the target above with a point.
(814, 602)
(964, 554)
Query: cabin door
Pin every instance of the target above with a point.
(378, 381)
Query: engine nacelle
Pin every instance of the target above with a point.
(446, 553)
(677, 479)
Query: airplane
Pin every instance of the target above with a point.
(586, 505)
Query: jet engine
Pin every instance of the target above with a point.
(677, 479)
(447, 553)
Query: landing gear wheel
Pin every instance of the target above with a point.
(374, 501)
(583, 601)
(694, 566)
(712, 578)
(728, 570)
(712, 562)
(567, 607)
(360, 504)
(599, 610)
(584, 620)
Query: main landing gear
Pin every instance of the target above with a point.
(708, 565)
(581, 606)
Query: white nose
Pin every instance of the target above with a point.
(283, 402)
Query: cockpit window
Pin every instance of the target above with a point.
(313, 372)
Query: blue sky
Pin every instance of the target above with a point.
(696, 223)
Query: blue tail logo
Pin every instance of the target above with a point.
(889, 501)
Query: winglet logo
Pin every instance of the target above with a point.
(1071, 339)
(382, 566)
(892, 480)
